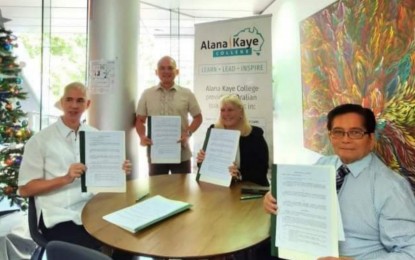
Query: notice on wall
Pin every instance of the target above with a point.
(101, 76)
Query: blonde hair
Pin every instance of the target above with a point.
(234, 99)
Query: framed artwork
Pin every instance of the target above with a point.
(362, 52)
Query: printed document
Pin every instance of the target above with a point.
(165, 132)
(103, 153)
(307, 219)
(220, 153)
(146, 213)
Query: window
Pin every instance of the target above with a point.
(52, 49)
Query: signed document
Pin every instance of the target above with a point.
(146, 213)
(165, 132)
(307, 221)
(221, 148)
(103, 153)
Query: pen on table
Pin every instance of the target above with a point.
(249, 197)
(142, 197)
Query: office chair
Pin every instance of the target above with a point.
(35, 233)
(59, 250)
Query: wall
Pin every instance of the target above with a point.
(287, 91)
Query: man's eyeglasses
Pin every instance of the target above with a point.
(352, 134)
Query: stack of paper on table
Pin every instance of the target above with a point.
(146, 213)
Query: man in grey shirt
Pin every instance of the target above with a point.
(169, 99)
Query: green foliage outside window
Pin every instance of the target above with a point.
(67, 58)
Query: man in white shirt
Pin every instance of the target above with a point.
(51, 172)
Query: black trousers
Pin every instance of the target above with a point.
(263, 251)
(69, 232)
(76, 234)
(165, 168)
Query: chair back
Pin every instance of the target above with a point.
(35, 233)
(33, 227)
(60, 250)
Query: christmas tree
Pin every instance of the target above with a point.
(14, 130)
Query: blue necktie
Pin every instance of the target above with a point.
(342, 171)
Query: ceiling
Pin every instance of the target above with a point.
(155, 14)
(69, 16)
(214, 8)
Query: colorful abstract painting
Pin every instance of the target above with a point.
(362, 52)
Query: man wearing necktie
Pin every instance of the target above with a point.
(377, 204)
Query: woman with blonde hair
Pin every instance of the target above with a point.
(251, 162)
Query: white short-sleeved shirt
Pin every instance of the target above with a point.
(47, 155)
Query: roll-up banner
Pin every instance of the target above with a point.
(234, 57)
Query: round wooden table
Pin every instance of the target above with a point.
(218, 223)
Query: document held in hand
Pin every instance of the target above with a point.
(146, 213)
(165, 132)
(221, 146)
(307, 224)
(103, 153)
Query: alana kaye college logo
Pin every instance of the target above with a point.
(245, 42)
